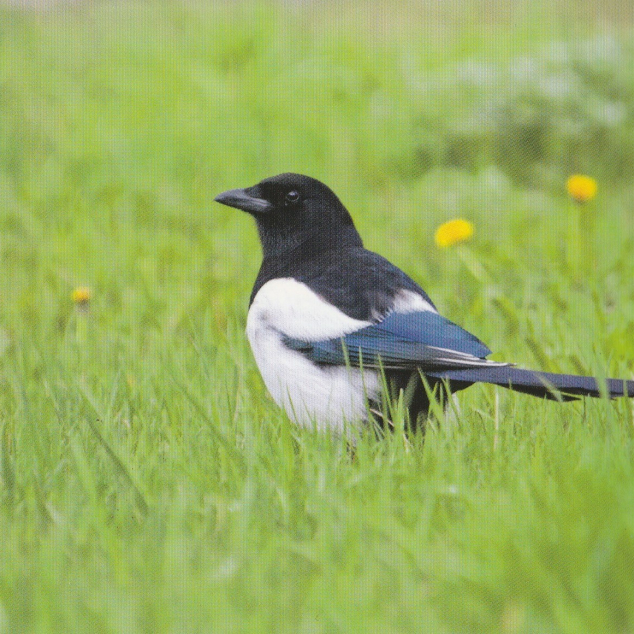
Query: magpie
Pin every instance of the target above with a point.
(332, 324)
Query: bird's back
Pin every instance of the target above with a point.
(362, 284)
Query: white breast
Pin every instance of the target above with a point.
(326, 396)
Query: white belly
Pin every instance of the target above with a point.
(328, 397)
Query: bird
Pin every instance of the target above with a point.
(334, 326)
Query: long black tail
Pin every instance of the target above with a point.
(543, 384)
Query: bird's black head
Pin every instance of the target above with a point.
(294, 211)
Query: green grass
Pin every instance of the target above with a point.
(147, 481)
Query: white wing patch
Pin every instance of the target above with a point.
(409, 302)
(295, 310)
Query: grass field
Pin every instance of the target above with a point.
(147, 481)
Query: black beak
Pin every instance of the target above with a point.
(241, 199)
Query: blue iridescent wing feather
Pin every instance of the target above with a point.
(423, 340)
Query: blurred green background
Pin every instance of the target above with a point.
(147, 482)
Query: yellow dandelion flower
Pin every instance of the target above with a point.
(81, 295)
(581, 188)
(453, 232)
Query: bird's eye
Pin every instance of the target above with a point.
(292, 197)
